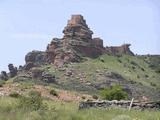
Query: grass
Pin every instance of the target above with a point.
(129, 67)
(134, 69)
(87, 75)
(124, 68)
(69, 111)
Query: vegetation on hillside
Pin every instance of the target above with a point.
(114, 93)
(91, 75)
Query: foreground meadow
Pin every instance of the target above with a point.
(57, 110)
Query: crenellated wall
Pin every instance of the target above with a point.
(123, 49)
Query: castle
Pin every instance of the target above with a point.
(77, 41)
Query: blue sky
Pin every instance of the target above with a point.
(27, 25)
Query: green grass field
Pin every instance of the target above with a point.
(69, 111)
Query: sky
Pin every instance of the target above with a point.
(27, 25)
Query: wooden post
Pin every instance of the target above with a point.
(131, 104)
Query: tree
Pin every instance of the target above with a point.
(114, 93)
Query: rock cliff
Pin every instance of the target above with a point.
(76, 42)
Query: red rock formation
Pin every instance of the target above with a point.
(76, 42)
(77, 28)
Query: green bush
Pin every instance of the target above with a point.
(2, 83)
(14, 95)
(119, 60)
(153, 84)
(32, 102)
(53, 92)
(101, 59)
(114, 93)
(157, 70)
(95, 97)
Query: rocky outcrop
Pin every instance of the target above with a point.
(40, 74)
(76, 42)
(3, 75)
(36, 73)
(28, 66)
(34, 58)
(77, 29)
(37, 57)
(12, 70)
(48, 78)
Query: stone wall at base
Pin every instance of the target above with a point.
(121, 104)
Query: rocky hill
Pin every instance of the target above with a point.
(76, 42)
(78, 62)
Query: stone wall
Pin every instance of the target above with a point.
(121, 104)
(97, 42)
(123, 49)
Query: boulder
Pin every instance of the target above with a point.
(20, 68)
(48, 78)
(68, 72)
(12, 70)
(28, 66)
(36, 57)
(36, 73)
(3, 75)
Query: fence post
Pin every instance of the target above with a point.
(131, 104)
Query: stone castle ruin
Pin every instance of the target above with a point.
(77, 41)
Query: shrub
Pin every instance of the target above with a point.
(134, 63)
(114, 93)
(158, 70)
(133, 67)
(153, 84)
(119, 60)
(142, 69)
(133, 82)
(83, 97)
(53, 92)
(32, 102)
(146, 76)
(95, 97)
(101, 59)
(14, 95)
(119, 55)
(138, 76)
(2, 83)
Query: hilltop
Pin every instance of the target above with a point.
(77, 62)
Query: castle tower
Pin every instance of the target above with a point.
(77, 29)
